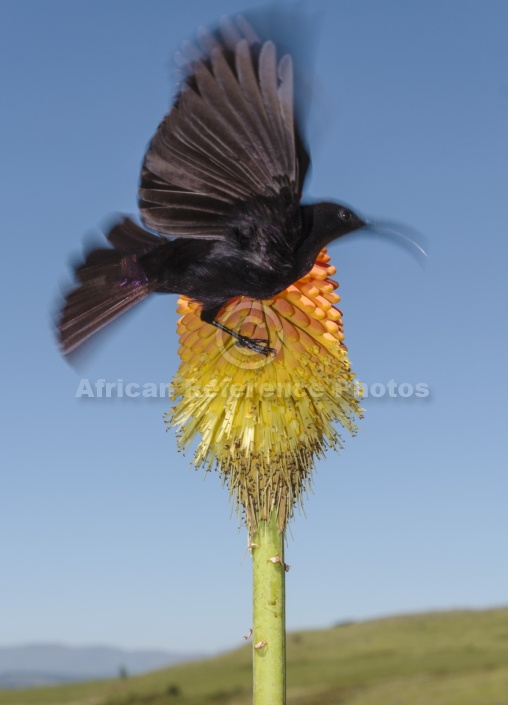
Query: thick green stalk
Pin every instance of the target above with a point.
(269, 628)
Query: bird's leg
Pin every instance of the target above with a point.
(257, 344)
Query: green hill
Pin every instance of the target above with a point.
(449, 658)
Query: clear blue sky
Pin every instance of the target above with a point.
(105, 535)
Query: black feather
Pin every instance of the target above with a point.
(221, 182)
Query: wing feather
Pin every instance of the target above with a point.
(260, 135)
(230, 136)
(248, 146)
(270, 95)
(286, 102)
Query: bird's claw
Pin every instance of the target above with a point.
(259, 345)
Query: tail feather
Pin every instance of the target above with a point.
(110, 282)
(126, 236)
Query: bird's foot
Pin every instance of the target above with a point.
(259, 345)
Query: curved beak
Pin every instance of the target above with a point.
(401, 235)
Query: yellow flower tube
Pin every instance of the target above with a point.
(262, 421)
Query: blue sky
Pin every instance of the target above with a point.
(105, 535)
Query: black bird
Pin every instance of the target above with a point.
(221, 184)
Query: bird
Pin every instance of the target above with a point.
(220, 195)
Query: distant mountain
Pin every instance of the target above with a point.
(45, 664)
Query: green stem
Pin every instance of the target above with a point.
(269, 628)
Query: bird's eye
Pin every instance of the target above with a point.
(344, 215)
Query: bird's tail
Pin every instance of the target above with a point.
(110, 282)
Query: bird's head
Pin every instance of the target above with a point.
(332, 220)
(326, 221)
(321, 224)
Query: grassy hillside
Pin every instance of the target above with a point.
(453, 658)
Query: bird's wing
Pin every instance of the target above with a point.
(231, 135)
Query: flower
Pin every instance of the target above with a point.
(262, 421)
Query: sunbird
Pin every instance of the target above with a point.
(220, 191)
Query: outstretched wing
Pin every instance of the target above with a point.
(230, 136)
